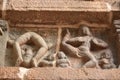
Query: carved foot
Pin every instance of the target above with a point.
(96, 64)
(91, 64)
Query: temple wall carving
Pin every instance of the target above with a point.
(62, 47)
(60, 38)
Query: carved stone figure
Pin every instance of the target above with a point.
(81, 46)
(105, 60)
(47, 61)
(25, 54)
(63, 60)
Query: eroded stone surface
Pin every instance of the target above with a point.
(56, 5)
(72, 74)
(53, 12)
(72, 5)
(36, 18)
(115, 4)
(9, 73)
(59, 74)
(31, 13)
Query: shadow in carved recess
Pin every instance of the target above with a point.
(87, 50)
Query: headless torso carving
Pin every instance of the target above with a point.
(84, 48)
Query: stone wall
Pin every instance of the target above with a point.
(53, 17)
(10, 73)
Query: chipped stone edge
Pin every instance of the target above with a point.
(22, 73)
(109, 7)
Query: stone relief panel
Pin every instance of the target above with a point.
(30, 47)
(87, 49)
(83, 47)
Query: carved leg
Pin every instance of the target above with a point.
(69, 49)
(17, 51)
(45, 63)
(91, 64)
(39, 56)
(92, 58)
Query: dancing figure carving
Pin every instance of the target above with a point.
(81, 46)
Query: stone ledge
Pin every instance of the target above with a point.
(16, 73)
(114, 4)
(56, 17)
(58, 5)
(56, 12)
(73, 74)
(64, 5)
(9, 73)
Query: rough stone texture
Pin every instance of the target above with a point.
(44, 17)
(65, 5)
(53, 12)
(115, 4)
(55, 74)
(57, 5)
(63, 12)
(21, 9)
(98, 74)
(9, 73)
(72, 74)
